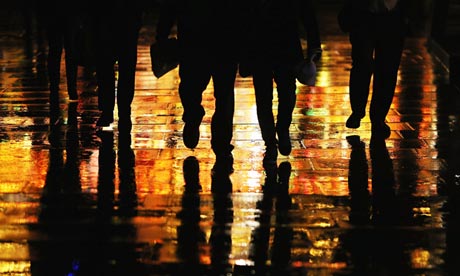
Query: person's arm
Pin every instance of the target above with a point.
(309, 21)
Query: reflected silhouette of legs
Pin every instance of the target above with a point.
(282, 240)
(358, 182)
(106, 185)
(385, 204)
(220, 176)
(190, 236)
(260, 238)
(127, 175)
(221, 240)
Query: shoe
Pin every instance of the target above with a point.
(284, 142)
(270, 157)
(191, 134)
(223, 164)
(105, 120)
(381, 130)
(353, 121)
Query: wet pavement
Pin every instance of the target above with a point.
(75, 203)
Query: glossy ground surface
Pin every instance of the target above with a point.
(75, 203)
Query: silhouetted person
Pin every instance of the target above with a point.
(61, 26)
(117, 31)
(377, 32)
(190, 236)
(275, 50)
(206, 32)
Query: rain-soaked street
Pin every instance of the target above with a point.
(76, 203)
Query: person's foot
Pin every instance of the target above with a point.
(353, 121)
(191, 134)
(223, 164)
(284, 142)
(381, 130)
(105, 120)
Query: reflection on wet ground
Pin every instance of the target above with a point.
(344, 203)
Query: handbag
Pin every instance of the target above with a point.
(306, 72)
(164, 56)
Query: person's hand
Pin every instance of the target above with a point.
(314, 54)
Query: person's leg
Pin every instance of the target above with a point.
(286, 86)
(126, 76)
(54, 37)
(195, 76)
(224, 74)
(105, 71)
(388, 54)
(105, 74)
(70, 45)
(360, 75)
(263, 87)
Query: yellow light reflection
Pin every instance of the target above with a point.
(420, 258)
(7, 267)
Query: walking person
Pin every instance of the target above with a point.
(61, 27)
(377, 31)
(117, 27)
(207, 50)
(275, 50)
